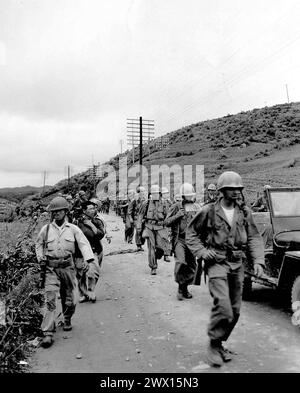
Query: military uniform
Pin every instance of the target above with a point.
(94, 231)
(60, 269)
(185, 263)
(133, 211)
(210, 229)
(154, 214)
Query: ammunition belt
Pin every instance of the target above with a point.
(59, 262)
(155, 222)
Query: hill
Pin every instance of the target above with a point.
(16, 194)
(261, 144)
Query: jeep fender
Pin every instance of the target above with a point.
(290, 268)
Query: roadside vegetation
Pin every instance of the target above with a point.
(20, 298)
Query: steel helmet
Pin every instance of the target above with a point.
(58, 203)
(212, 187)
(81, 192)
(187, 189)
(94, 201)
(229, 179)
(140, 189)
(164, 190)
(266, 187)
(154, 189)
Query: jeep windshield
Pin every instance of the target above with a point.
(284, 208)
(286, 203)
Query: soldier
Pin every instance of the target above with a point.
(220, 234)
(153, 213)
(165, 197)
(77, 207)
(180, 214)
(129, 226)
(55, 248)
(93, 228)
(261, 204)
(211, 194)
(133, 211)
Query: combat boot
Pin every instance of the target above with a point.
(92, 296)
(67, 325)
(180, 295)
(166, 258)
(139, 248)
(153, 272)
(213, 355)
(83, 299)
(226, 353)
(47, 342)
(187, 294)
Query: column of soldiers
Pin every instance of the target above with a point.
(214, 237)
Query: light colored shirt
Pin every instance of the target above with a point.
(229, 213)
(61, 242)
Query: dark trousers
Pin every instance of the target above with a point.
(185, 264)
(226, 292)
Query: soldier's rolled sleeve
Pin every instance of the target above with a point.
(255, 242)
(193, 231)
(83, 244)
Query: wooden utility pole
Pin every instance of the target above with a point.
(287, 93)
(68, 178)
(139, 131)
(44, 181)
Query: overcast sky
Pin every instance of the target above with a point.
(72, 71)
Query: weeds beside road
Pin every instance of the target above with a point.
(19, 295)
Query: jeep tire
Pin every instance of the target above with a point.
(295, 292)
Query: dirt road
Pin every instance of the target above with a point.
(138, 326)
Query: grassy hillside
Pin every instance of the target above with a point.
(263, 145)
(16, 194)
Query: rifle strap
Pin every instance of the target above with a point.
(46, 237)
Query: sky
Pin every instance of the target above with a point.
(73, 71)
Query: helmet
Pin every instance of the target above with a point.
(140, 189)
(187, 189)
(94, 201)
(154, 189)
(164, 190)
(212, 187)
(58, 203)
(81, 192)
(229, 179)
(69, 197)
(266, 187)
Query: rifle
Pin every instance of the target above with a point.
(43, 263)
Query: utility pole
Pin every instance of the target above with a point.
(68, 178)
(44, 181)
(287, 93)
(139, 131)
(121, 143)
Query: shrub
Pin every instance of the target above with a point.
(18, 285)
